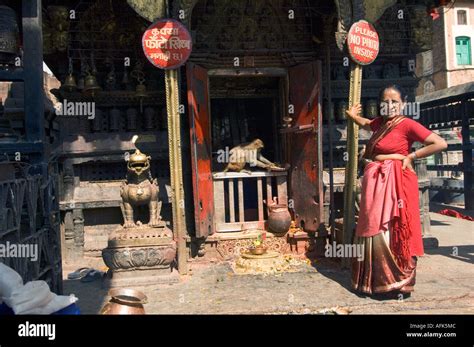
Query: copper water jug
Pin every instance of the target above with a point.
(125, 301)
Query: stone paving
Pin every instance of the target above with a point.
(445, 285)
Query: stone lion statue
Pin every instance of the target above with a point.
(140, 190)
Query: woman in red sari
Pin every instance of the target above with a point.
(389, 226)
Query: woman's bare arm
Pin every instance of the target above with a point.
(433, 144)
(354, 112)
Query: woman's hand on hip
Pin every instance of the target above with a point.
(407, 163)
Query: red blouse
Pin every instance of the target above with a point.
(401, 138)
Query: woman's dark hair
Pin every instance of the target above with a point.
(396, 87)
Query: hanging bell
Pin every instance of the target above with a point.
(91, 88)
(140, 91)
(9, 35)
(69, 84)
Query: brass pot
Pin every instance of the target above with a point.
(125, 301)
(279, 218)
(258, 250)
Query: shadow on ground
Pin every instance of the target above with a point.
(463, 253)
(92, 295)
(436, 222)
(334, 271)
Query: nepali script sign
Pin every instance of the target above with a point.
(363, 43)
(167, 44)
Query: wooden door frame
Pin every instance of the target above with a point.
(317, 131)
(283, 93)
(283, 74)
(203, 209)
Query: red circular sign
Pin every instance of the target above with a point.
(363, 42)
(167, 44)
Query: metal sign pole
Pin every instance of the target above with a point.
(170, 58)
(176, 170)
(352, 152)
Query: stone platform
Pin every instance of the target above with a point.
(270, 262)
(140, 256)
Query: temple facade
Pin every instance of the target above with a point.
(273, 70)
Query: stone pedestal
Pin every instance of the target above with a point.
(140, 256)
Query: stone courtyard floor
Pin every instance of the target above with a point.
(445, 285)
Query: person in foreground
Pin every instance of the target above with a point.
(389, 227)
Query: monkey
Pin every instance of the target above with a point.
(250, 153)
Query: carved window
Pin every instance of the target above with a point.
(462, 17)
(428, 87)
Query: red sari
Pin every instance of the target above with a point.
(389, 227)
